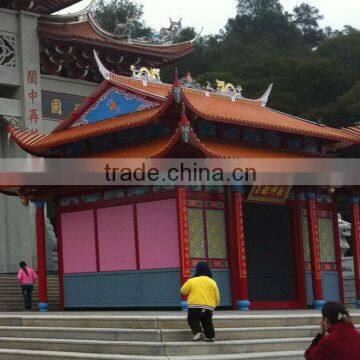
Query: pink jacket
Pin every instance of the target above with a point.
(28, 279)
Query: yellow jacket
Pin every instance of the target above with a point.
(203, 292)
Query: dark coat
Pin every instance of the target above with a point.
(342, 343)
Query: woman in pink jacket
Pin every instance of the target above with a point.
(27, 278)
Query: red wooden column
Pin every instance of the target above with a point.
(184, 246)
(355, 207)
(316, 272)
(235, 199)
(41, 255)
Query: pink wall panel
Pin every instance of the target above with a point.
(116, 237)
(158, 234)
(78, 238)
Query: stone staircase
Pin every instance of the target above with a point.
(155, 336)
(11, 298)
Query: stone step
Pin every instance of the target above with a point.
(165, 335)
(10, 354)
(67, 319)
(275, 355)
(156, 349)
(11, 296)
(147, 335)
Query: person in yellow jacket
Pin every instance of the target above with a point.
(203, 298)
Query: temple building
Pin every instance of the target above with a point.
(47, 69)
(270, 247)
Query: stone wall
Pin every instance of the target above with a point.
(349, 281)
(17, 223)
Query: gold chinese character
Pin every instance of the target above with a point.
(281, 191)
(265, 190)
(257, 190)
(274, 190)
(56, 107)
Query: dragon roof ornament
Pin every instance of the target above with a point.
(146, 74)
(224, 89)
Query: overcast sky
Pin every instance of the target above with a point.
(204, 13)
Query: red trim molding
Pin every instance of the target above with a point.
(313, 228)
(60, 258)
(185, 270)
(41, 253)
(356, 244)
(338, 250)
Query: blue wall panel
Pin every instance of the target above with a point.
(123, 289)
(81, 289)
(160, 288)
(331, 286)
(145, 288)
(223, 279)
(118, 289)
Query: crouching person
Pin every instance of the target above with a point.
(203, 298)
(338, 339)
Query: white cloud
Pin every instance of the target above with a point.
(212, 15)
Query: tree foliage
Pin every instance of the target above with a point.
(110, 13)
(316, 71)
(306, 18)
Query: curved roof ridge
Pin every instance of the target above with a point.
(121, 80)
(102, 32)
(69, 17)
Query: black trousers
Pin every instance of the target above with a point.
(200, 320)
(27, 294)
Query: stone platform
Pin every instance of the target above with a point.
(156, 335)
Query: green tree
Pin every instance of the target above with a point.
(110, 13)
(254, 8)
(349, 105)
(306, 18)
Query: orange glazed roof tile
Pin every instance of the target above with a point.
(354, 130)
(245, 112)
(87, 31)
(35, 142)
(219, 149)
(156, 148)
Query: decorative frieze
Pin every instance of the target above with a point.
(7, 50)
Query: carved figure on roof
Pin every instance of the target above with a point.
(190, 82)
(228, 89)
(146, 74)
(209, 87)
(166, 35)
(123, 30)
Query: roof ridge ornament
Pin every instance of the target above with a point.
(229, 89)
(146, 74)
(177, 91)
(265, 98)
(185, 127)
(103, 70)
